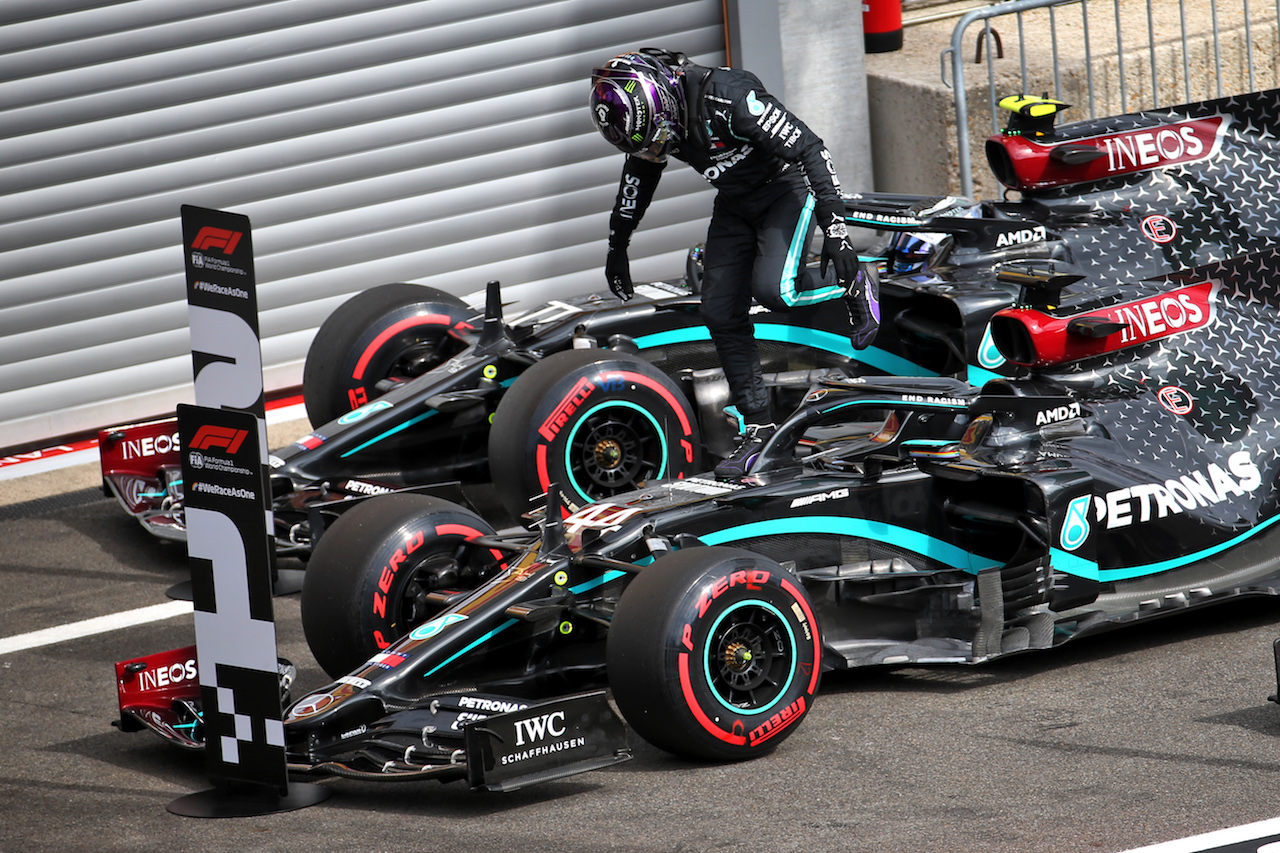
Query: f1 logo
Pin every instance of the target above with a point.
(216, 238)
(209, 436)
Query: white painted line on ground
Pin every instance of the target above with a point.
(1263, 830)
(89, 627)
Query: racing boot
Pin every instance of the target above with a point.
(862, 300)
(738, 463)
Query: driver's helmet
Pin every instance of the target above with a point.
(909, 251)
(637, 103)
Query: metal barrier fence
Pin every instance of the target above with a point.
(1115, 56)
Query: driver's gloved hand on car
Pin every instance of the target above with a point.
(860, 283)
(862, 299)
(617, 271)
(837, 250)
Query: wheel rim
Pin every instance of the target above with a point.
(413, 360)
(412, 607)
(614, 447)
(418, 359)
(750, 657)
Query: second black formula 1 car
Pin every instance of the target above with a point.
(409, 388)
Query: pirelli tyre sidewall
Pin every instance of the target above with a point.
(366, 582)
(392, 330)
(714, 653)
(594, 422)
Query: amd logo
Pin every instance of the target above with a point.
(1058, 414)
(1038, 234)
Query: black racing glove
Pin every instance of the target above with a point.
(635, 191)
(862, 299)
(617, 271)
(836, 248)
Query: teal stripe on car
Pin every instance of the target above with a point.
(1126, 572)
(863, 528)
(484, 638)
(402, 427)
(784, 333)
(956, 557)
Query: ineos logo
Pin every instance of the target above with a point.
(167, 676)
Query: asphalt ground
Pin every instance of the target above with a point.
(1120, 741)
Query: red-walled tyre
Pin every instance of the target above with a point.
(368, 580)
(596, 423)
(714, 653)
(393, 331)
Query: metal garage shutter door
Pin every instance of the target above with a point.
(440, 141)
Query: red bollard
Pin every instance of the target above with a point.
(882, 25)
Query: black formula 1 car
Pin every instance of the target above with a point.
(1126, 470)
(407, 387)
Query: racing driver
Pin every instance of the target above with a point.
(774, 180)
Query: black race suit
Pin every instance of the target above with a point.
(774, 176)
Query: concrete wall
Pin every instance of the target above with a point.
(809, 53)
(823, 60)
(911, 110)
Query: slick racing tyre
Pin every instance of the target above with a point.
(596, 423)
(393, 331)
(714, 653)
(368, 580)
